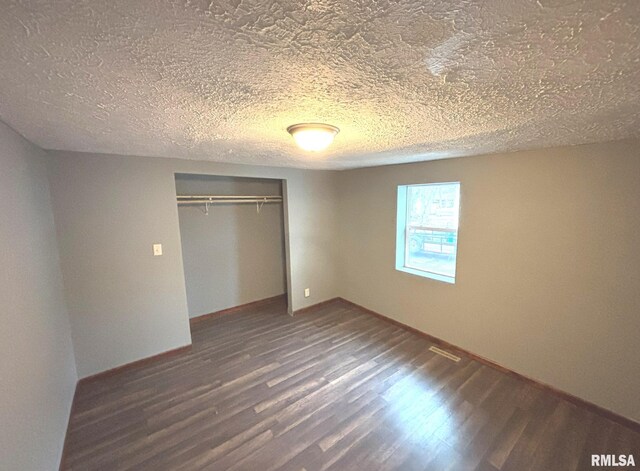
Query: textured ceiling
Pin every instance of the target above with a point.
(404, 80)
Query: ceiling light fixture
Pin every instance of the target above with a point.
(314, 137)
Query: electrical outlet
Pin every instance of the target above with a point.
(307, 293)
(157, 250)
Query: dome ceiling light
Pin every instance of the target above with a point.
(313, 137)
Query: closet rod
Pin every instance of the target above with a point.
(227, 197)
(257, 200)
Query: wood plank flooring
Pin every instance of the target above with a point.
(335, 389)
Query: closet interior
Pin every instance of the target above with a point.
(233, 240)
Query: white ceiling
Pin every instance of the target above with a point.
(404, 80)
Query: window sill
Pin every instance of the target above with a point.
(425, 274)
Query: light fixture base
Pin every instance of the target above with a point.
(295, 127)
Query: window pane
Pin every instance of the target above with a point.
(434, 206)
(431, 235)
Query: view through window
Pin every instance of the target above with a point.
(428, 229)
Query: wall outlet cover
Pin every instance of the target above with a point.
(157, 250)
(306, 292)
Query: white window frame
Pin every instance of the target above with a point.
(401, 234)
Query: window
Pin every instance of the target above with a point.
(427, 237)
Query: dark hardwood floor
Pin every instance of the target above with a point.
(335, 389)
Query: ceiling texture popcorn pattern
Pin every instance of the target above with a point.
(404, 80)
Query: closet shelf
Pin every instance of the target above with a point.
(227, 199)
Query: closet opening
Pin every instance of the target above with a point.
(234, 243)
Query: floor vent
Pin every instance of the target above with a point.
(445, 354)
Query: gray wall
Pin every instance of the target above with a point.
(37, 368)
(548, 263)
(234, 255)
(126, 304)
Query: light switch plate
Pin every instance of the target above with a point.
(157, 250)
(306, 293)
